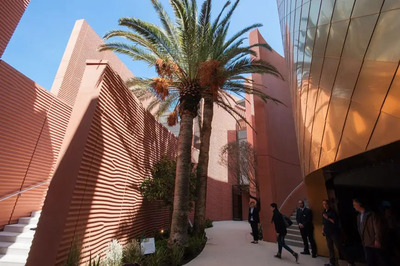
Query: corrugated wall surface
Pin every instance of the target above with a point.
(121, 145)
(33, 123)
(10, 14)
(82, 45)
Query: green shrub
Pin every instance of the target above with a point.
(161, 185)
(74, 255)
(95, 261)
(176, 255)
(209, 223)
(114, 254)
(195, 246)
(132, 252)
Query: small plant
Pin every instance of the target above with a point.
(209, 223)
(74, 255)
(132, 252)
(195, 246)
(114, 254)
(95, 262)
(176, 255)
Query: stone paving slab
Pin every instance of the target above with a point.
(229, 244)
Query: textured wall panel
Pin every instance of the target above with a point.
(82, 45)
(33, 124)
(112, 155)
(10, 13)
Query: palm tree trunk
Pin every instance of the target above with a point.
(202, 167)
(179, 222)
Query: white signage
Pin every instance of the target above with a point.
(148, 245)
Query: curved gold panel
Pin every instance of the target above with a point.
(344, 79)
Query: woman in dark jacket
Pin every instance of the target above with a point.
(281, 232)
(254, 218)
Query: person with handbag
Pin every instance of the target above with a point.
(280, 228)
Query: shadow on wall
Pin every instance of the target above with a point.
(93, 197)
(27, 154)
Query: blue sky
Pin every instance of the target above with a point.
(38, 44)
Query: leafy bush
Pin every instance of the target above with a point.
(74, 255)
(209, 223)
(161, 186)
(195, 246)
(114, 254)
(95, 261)
(132, 252)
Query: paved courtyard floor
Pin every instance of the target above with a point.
(229, 244)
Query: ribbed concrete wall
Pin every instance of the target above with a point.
(33, 123)
(10, 13)
(110, 145)
(82, 45)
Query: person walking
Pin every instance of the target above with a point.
(254, 218)
(304, 219)
(281, 232)
(370, 233)
(331, 231)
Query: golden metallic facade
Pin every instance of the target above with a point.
(343, 59)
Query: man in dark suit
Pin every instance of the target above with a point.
(254, 218)
(304, 220)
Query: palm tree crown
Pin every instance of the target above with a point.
(194, 59)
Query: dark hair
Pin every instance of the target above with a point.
(325, 200)
(273, 205)
(359, 202)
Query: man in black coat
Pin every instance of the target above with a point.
(304, 219)
(254, 218)
(280, 229)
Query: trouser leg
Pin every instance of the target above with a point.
(329, 243)
(312, 240)
(254, 229)
(283, 244)
(278, 239)
(304, 235)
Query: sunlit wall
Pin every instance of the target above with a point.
(343, 59)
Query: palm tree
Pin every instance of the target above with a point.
(193, 60)
(175, 52)
(223, 73)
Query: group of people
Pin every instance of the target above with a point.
(367, 224)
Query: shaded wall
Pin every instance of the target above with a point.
(33, 123)
(109, 148)
(10, 13)
(278, 168)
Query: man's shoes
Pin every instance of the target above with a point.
(296, 256)
(305, 252)
(254, 242)
(328, 264)
(278, 256)
(314, 255)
